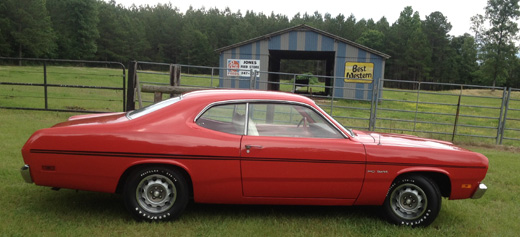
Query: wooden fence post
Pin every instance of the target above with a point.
(175, 76)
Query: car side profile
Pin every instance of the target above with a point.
(249, 147)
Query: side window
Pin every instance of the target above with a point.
(289, 120)
(227, 118)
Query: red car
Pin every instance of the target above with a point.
(249, 147)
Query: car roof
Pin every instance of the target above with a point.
(226, 94)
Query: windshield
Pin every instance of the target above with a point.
(350, 132)
(151, 108)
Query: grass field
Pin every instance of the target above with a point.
(29, 210)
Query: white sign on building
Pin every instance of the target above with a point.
(242, 67)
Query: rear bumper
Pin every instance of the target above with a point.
(26, 174)
(482, 188)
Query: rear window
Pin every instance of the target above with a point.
(152, 108)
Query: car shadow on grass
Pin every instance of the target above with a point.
(244, 212)
(66, 204)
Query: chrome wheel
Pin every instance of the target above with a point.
(412, 200)
(156, 193)
(408, 201)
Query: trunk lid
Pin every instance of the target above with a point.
(88, 119)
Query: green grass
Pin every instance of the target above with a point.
(29, 210)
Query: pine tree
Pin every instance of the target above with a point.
(443, 65)
(26, 26)
(76, 25)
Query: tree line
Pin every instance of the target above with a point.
(420, 50)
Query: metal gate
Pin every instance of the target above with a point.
(511, 122)
(62, 85)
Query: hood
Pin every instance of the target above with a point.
(88, 119)
(403, 140)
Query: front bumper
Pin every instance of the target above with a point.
(482, 188)
(26, 174)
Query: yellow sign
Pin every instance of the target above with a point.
(359, 72)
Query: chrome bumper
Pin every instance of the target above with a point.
(26, 174)
(482, 188)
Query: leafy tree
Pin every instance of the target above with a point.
(26, 26)
(411, 54)
(349, 30)
(334, 25)
(372, 38)
(443, 64)
(112, 44)
(244, 29)
(136, 41)
(162, 29)
(197, 47)
(466, 58)
(76, 24)
(496, 43)
(514, 73)
(382, 25)
(5, 47)
(360, 27)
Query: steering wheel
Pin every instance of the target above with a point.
(304, 122)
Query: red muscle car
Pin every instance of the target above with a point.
(249, 147)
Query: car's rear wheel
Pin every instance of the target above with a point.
(413, 201)
(156, 193)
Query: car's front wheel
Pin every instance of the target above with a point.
(156, 193)
(413, 201)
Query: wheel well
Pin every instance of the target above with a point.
(124, 177)
(442, 181)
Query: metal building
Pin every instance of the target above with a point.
(346, 62)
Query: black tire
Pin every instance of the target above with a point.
(156, 193)
(412, 201)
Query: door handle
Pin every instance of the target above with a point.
(252, 146)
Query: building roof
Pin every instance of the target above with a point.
(304, 27)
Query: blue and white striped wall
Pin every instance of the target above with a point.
(305, 40)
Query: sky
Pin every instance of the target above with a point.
(458, 12)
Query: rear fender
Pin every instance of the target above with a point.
(135, 165)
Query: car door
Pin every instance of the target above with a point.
(291, 151)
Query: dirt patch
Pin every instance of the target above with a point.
(75, 108)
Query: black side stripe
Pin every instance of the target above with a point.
(198, 157)
(130, 154)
